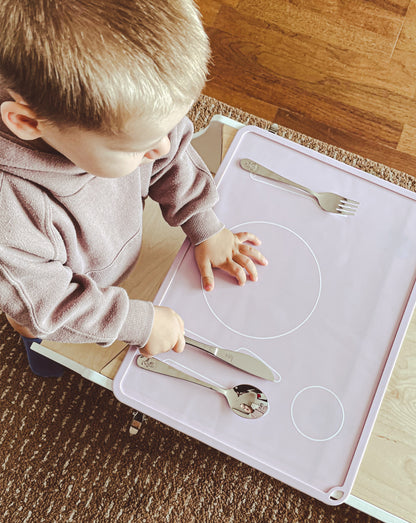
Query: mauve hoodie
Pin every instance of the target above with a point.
(67, 238)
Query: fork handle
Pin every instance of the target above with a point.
(255, 168)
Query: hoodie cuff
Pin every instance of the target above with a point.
(202, 226)
(138, 324)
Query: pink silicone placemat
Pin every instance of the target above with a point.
(328, 315)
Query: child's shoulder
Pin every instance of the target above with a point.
(23, 216)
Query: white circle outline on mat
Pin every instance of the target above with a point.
(339, 403)
(302, 322)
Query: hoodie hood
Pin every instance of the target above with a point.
(51, 170)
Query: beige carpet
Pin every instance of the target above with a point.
(66, 453)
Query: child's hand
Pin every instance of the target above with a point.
(227, 251)
(167, 333)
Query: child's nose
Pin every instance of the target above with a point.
(161, 149)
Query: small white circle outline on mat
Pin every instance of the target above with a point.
(305, 319)
(339, 403)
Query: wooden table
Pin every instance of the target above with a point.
(385, 486)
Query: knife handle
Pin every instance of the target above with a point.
(241, 361)
(199, 345)
(224, 354)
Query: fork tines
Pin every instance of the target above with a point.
(347, 206)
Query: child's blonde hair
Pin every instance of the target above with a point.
(92, 63)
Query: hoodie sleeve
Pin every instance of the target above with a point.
(40, 291)
(58, 305)
(184, 188)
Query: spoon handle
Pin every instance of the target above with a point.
(161, 367)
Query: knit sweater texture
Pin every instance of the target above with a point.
(68, 238)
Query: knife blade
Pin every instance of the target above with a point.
(240, 360)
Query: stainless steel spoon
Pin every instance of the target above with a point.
(245, 400)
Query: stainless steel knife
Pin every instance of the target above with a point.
(240, 360)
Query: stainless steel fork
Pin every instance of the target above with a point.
(328, 201)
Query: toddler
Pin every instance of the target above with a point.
(94, 96)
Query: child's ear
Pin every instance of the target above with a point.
(21, 120)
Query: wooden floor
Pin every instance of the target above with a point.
(342, 71)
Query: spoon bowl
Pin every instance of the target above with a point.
(246, 401)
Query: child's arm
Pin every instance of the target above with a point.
(185, 190)
(224, 250)
(229, 252)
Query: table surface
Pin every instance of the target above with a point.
(387, 474)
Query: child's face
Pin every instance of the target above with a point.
(114, 156)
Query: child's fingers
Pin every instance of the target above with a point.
(253, 253)
(180, 344)
(180, 323)
(235, 269)
(248, 264)
(248, 237)
(206, 273)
